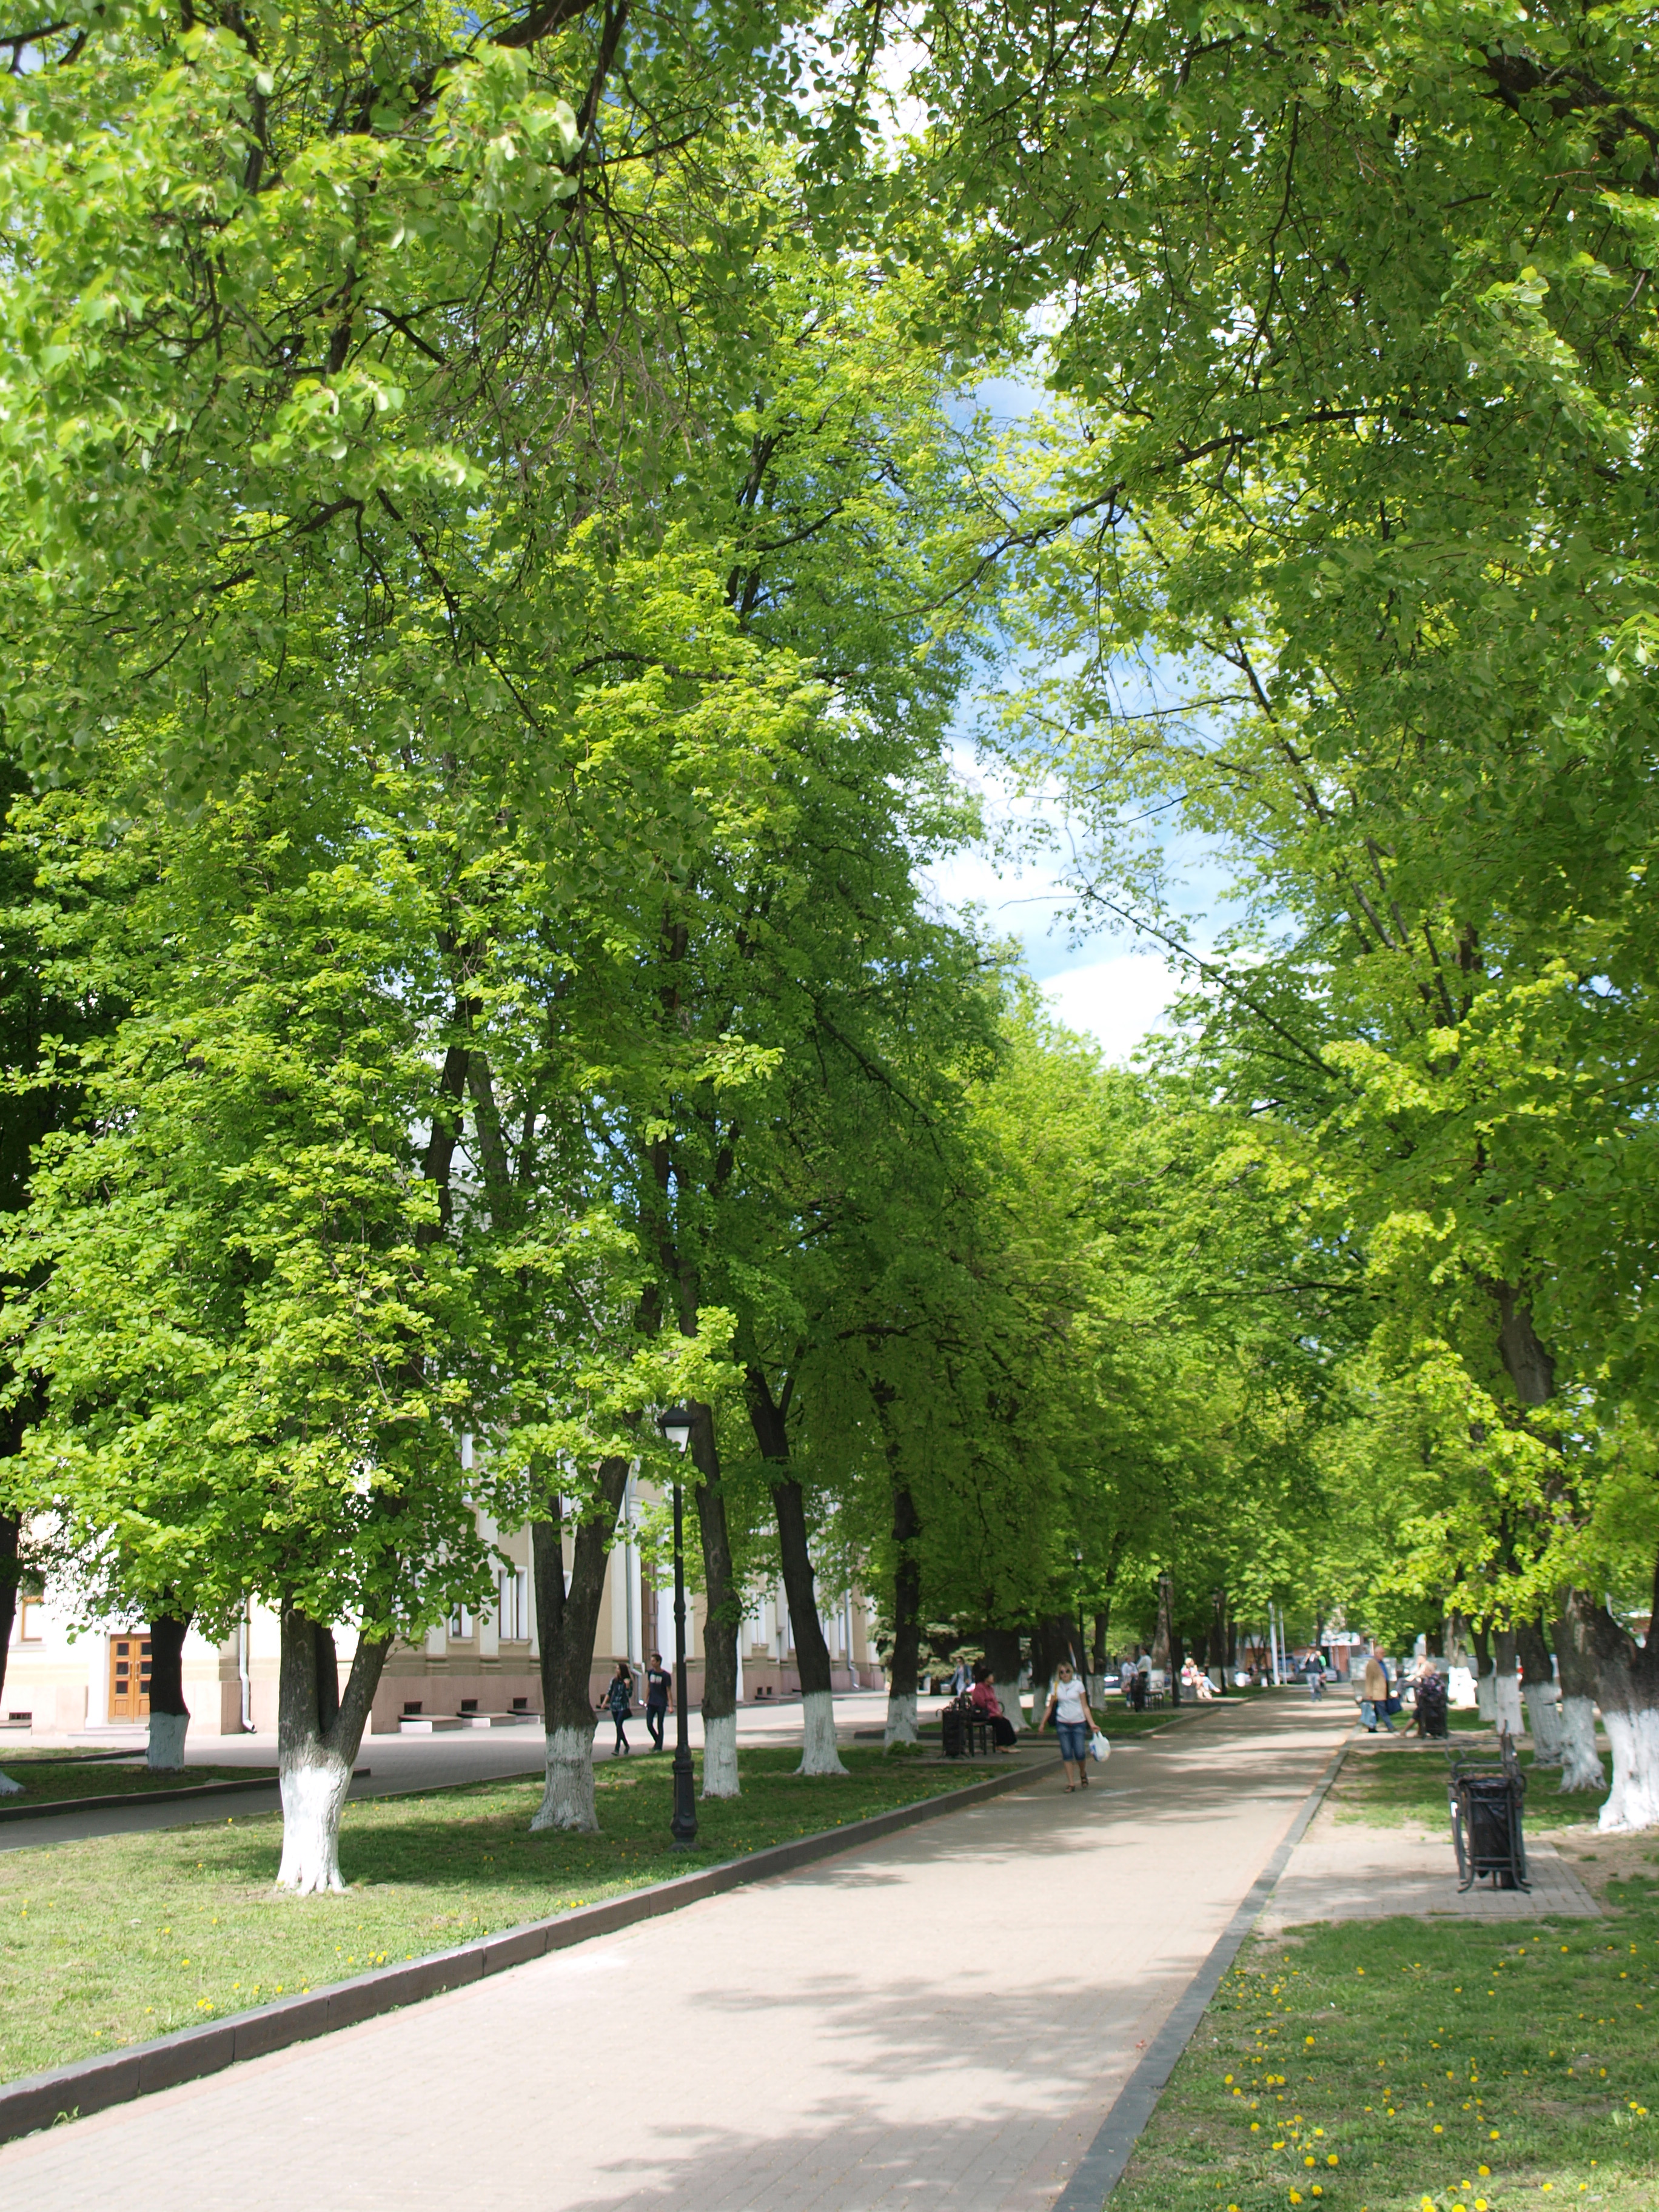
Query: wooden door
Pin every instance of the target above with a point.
(129, 1678)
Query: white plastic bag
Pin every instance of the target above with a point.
(1098, 1747)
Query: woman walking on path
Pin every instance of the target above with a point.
(620, 1698)
(1068, 1708)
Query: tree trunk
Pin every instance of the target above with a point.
(1097, 1645)
(1538, 1693)
(10, 1526)
(1164, 1637)
(1002, 1657)
(169, 1716)
(318, 1735)
(1581, 1762)
(722, 1621)
(1531, 1369)
(1506, 1686)
(567, 1622)
(819, 1752)
(1485, 1679)
(907, 1620)
(1217, 1652)
(1628, 1677)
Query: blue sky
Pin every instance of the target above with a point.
(1109, 986)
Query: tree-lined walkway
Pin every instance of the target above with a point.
(943, 2016)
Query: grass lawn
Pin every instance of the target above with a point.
(1395, 2065)
(115, 1940)
(52, 1777)
(1404, 1785)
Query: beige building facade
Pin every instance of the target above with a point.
(65, 1679)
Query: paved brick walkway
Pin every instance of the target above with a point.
(941, 2018)
(1341, 1870)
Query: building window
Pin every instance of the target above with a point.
(31, 1620)
(514, 1605)
(460, 1622)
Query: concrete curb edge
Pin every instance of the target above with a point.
(93, 2085)
(1101, 2167)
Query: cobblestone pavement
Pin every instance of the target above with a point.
(942, 2017)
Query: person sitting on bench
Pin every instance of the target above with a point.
(983, 1698)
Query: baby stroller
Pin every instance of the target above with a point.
(1431, 1704)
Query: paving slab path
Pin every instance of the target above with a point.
(1344, 1870)
(942, 2017)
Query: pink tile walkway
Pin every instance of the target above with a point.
(941, 2018)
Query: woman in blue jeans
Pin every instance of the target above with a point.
(1068, 1708)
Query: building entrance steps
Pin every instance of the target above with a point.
(943, 2016)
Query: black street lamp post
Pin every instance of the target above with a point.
(676, 1425)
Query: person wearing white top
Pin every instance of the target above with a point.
(1068, 1708)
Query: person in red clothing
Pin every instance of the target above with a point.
(983, 1698)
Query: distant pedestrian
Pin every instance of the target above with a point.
(1142, 1683)
(963, 1680)
(658, 1696)
(620, 1698)
(1068, 1708)
(1373, 1694)
(1315, 1675)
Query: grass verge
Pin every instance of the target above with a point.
(120, 1938)
(1422, 2066)
(1404, 1785)
(52, 1779)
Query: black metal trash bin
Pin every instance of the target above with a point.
(1485, 1815)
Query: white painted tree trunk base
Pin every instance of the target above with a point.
(8, 1787)
(1581, 1762)
(1008, 1698)
(720, 1756)
(901, 1718)
(313, 1797)
(1633, 1801)
(567, 1800)
(818, 1755)
(1508, 1700)
(1543, 1722)
(166, 1742)
(1485, 1699)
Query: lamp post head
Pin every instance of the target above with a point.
(676, 1423)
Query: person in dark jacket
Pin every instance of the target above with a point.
(620, 1698)
(658, 1684)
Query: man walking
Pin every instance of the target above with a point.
(1374, 1694)
(657, 1681)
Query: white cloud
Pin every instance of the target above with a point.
(1117, 1000)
